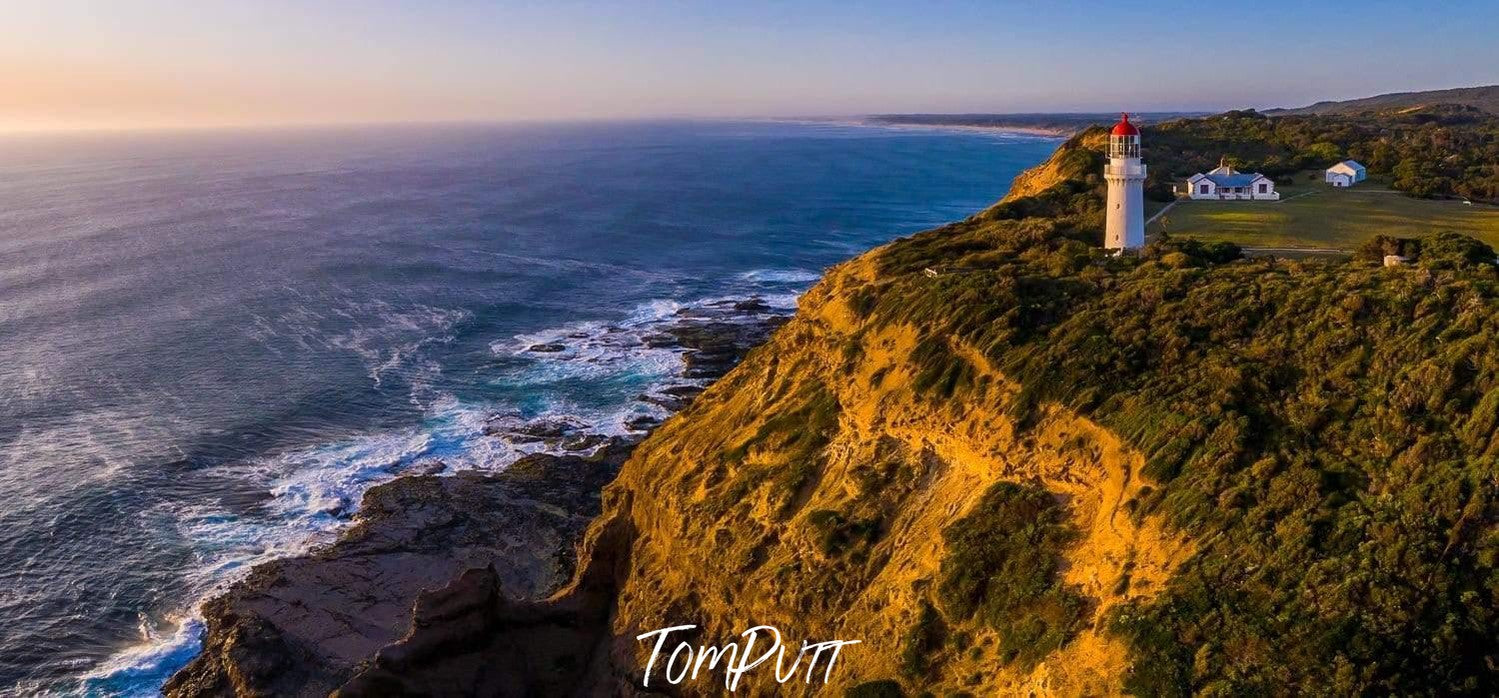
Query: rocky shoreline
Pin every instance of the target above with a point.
(427, 552)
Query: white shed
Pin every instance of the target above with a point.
(1346, 174)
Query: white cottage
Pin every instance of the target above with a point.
(1224, 182)
(1346, 174)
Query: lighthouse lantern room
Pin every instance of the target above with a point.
(1125, 218)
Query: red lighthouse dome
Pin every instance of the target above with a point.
(1124, 127)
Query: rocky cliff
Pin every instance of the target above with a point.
(1009, 464)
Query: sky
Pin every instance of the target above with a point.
(71, 64)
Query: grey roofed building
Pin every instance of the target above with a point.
(1233, 180)
(1226, 183)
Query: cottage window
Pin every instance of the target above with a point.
(1203, 189)
(1264, 188)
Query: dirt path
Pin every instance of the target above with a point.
(1160, 213)
(1304, 250)
(1293, 198)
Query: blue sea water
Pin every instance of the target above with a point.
(212, 342)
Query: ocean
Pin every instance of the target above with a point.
(211, 343)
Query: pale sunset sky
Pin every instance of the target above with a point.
(69, 64)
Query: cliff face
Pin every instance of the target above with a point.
(812, 488)
(1007, 463)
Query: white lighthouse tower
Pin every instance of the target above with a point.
(1125, 227)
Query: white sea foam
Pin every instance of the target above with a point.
(138, 670)
(791, 276)
(313, 492)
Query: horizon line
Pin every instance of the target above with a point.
(105, 129)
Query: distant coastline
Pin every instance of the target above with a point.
(1043, 131)
(871, 122)
(1060, 125)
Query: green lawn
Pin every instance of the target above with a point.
(1315, 215)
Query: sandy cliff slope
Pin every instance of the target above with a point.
(810, 490)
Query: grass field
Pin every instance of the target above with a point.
(1315, 215)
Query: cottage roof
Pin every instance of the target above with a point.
(1234, 180)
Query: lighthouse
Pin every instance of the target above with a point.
(1125, 174)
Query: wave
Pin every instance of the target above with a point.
(389, 338)
(792, 276)
(141, 670)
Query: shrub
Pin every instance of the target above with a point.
(920, 641)
(1002, 565)
(836, 535)
(1455, 251)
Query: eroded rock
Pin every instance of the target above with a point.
(302, 625)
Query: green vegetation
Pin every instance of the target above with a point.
(1002, 567)
(1444, 251)
(1325, 433)
(920, 641)
(836, 535)
(940, 375)
(1441, 152)
(804, 422)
